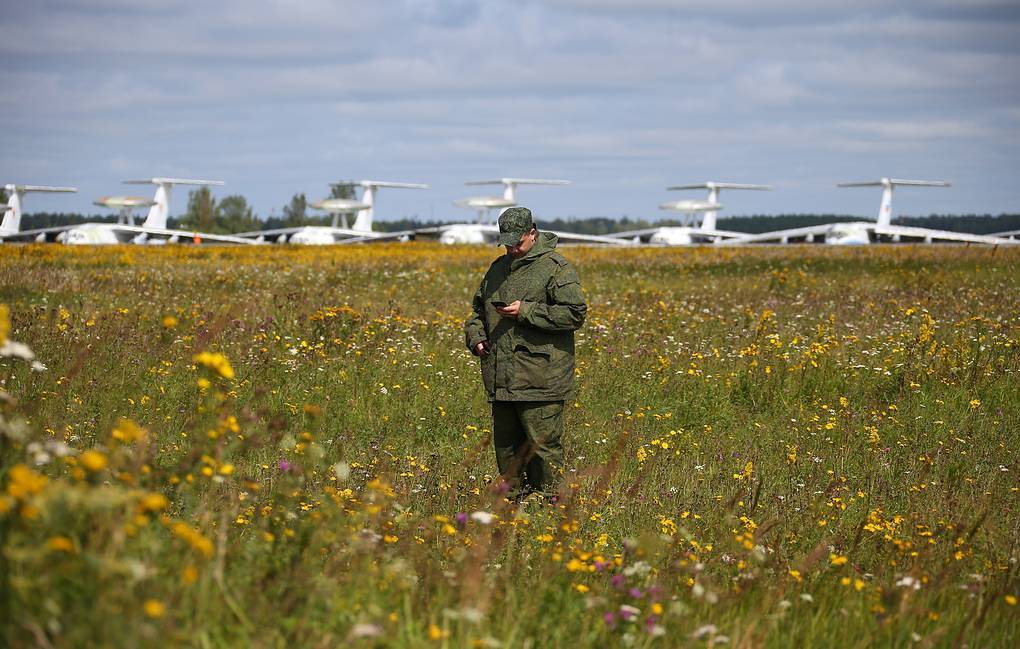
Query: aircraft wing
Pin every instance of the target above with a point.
(575, 238)
(928, 235)
(630, 234)
(726, 233)
(782, 236)
(1009, 234)
(367, 237)
(264, 233)
(47, 234)
(708, 235)
(187, 235)
(342, 235)
(435, 229)
(489, 229)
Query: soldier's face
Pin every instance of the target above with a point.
(524, 245)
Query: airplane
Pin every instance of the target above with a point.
(485, 229)
(866, 232)
(339, 232)
(152, 231)
(689, 232)
(11, 224)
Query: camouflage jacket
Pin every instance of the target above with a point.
(531, 358)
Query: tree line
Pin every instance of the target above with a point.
(232, 213)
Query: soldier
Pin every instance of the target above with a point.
(525, 313)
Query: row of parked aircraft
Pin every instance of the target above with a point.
(698, 223)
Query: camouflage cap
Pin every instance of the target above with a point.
(514, 224)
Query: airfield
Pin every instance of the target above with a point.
(264, 446)
(698, 223)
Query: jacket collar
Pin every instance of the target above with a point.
(545, 244)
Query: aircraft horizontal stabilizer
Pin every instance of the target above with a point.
(384, 183)
(896, 181)
(172, 181)
(714, 185)
(518, 181)
(38, 188)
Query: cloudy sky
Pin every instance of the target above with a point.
(623, 97)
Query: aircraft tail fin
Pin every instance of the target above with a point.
(12, 212)
(510, 184)
(708, 221)
(363, 222)
(159, 212)
(887, 185)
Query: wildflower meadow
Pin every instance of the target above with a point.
(290, 447)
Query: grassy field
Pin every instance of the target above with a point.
(291, 448)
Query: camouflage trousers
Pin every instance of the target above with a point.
(529, 455)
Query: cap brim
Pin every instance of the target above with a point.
(509, 238)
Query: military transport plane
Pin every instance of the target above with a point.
(691, 232)
(11, 225)
(339, 232)
(485, 229)
(152, 231)
(865, 232)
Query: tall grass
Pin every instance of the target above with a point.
(290, 447)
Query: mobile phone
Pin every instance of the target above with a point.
(499, 304)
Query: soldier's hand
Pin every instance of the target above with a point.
(482, 349)
(511, 310)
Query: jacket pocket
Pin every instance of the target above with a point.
(489, 371)
(531, 365)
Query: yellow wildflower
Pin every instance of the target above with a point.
(128, 431)
(169, 322)
(5, 323)
(193, 538)
(152, 502)
(94, 460)
(435, 633)
(216, 362)
(154, 608)
(746, 473)
(24, 481)
(60, 544)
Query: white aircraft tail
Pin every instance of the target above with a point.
(711, 216)
(159, 212)
(363, 222)
(510, 185)
(887, 185)
(12, 213)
